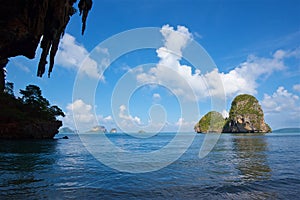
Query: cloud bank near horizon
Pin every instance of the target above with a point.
(243, 78)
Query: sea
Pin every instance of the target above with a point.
(239, 166)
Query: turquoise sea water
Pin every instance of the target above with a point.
(239, 167)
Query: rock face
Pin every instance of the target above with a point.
(212, 122)
(24, 22)
(32, 130)
(246, 116)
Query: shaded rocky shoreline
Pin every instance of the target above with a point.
(30, 130)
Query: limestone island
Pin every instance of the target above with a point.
(66, 130)
(113, 130)
(245, 116)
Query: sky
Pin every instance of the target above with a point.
(152, 80)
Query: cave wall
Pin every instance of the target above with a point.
(23, 23)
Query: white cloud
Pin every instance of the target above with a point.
(108, 119)
(243, 79)
(225, 114)
(281, 100)
(127, 119)
(282, 108)
(185, 126)
(169, 72)
(73, 55)
(80, 113)
(296, 87)
(156, 97)
(180, 78)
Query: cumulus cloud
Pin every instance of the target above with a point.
(81, 111)
(156, 97)
(296, 87)
(282, 108)
(281, 100)
(73, 55)
(225, 114)
(81, 114)
(185, 126)
(242, 79)
(169, 71)
(127, 119)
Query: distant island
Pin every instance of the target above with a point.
(287, 130)
(245, 116)
(141, 131)
(66, 130)
(113, 130)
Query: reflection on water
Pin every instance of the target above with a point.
(251, 157)
(239, 167)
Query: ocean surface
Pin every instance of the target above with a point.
(238, 167)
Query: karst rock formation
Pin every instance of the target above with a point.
(24, 23)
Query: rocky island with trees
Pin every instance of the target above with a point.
(28, 117)
(245, 116)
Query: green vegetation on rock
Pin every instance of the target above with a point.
(245, 116)
(211, 122)
(29, 116)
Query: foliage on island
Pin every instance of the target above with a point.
(211, 122)
(245, 116)
(28, 116)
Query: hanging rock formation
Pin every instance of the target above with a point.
(24, 22)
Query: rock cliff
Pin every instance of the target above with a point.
(30, 130)
(246, 116)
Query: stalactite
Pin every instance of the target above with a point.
(84, 8)
(55, 29)
(24, 22)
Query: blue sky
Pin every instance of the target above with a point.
(254, 44)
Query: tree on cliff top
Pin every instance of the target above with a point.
(30, 106)
(32, 97)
